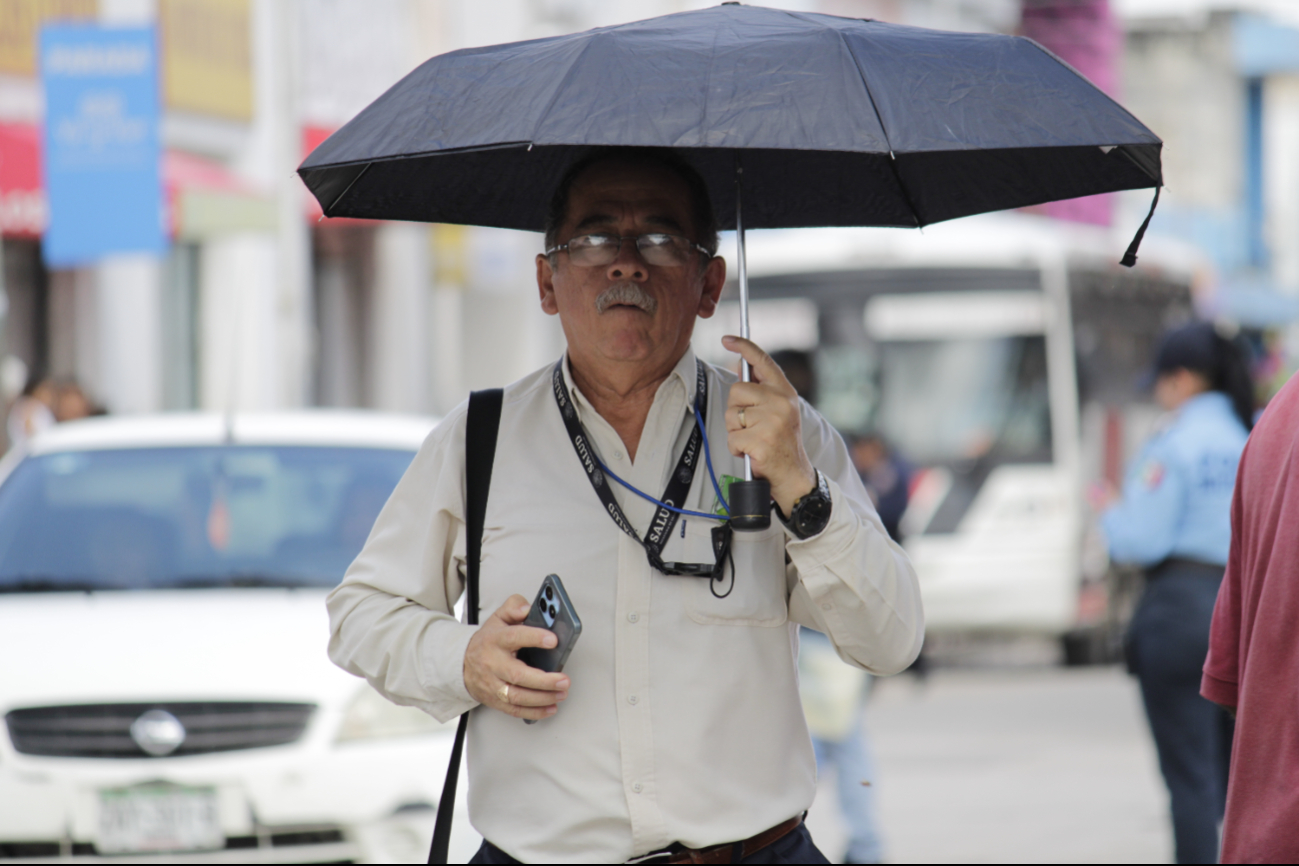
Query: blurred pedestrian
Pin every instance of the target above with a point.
(800, 369)
(72, 404)
(33, 411)
(1253, 664)
(1173, 519)
(833, 693)
(834, 700)
(887, 478)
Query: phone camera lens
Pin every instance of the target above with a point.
(552, 610)
(550, 593)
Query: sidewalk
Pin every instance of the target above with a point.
(1027, 765)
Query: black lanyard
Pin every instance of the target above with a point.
(678, 485)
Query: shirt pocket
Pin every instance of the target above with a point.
(758, 596)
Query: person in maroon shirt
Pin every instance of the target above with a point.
(1253, 662)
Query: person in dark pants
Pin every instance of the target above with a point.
(1168, 641)
(834, 699)
(887, 478)
(1173, 518)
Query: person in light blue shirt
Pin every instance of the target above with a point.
(1177, 495)
(1174, 520)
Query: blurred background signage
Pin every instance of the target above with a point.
(207, 64)
(101, 143)
(21, 20)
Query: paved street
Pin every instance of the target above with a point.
(1012, 765)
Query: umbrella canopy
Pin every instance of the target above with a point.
(837, 121)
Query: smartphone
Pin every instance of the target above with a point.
(552, 610)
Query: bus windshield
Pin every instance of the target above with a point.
(951, 401)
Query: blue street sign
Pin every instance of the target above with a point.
(101, 141)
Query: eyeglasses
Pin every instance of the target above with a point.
(656, 248)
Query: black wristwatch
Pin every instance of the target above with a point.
(811, 512)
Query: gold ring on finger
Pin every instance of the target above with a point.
(742, 424)
(505, 693)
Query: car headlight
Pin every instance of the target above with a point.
(371, 716)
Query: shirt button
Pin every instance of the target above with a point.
(633, 617)
(633, 700)
(827, 606)
(617, 455)
(637, 787)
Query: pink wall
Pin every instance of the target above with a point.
(1086, 35)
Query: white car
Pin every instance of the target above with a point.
(164, 684)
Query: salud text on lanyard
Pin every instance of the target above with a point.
(665, 515)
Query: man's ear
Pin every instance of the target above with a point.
(714, 280)
(546, 285)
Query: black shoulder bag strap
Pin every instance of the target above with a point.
(481, 426)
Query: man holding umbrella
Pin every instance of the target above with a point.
(675, 730)
(676, 726)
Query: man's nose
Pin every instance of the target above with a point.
(629, 265)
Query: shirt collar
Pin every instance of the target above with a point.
(1206, 402)
(683, 372)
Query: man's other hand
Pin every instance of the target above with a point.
(763, 420)
(496, 678)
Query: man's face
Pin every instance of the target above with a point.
(629, 310)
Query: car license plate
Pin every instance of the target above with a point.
(158, 818)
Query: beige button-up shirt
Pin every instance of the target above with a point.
(683, 721)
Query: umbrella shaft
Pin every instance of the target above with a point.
(745, 374)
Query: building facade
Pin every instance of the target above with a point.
(259, 303)
(1221, 87)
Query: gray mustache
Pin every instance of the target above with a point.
(626, 293)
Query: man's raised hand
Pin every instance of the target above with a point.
(763, 420)
(496, 678)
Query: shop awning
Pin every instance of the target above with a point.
(204, 198)
(22, 199)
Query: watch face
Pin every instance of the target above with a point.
(814, 514)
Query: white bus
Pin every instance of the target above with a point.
(1000, 356)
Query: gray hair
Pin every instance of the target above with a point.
(701, 205)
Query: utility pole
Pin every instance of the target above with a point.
(293, 242)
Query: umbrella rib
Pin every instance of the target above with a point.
(1049, 53)
(559, 88)
(893, 163)
(348, 188)
(420, 154)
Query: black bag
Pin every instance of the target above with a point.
(481, 426)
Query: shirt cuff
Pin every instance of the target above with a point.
(444, 669)
(1221, 692)
(831, 542)
(810, 556)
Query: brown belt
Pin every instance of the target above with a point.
(733, 852)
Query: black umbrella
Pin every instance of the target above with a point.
(840, 122)
(833, 121)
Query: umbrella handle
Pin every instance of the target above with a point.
(751, 498)
(750, 505)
